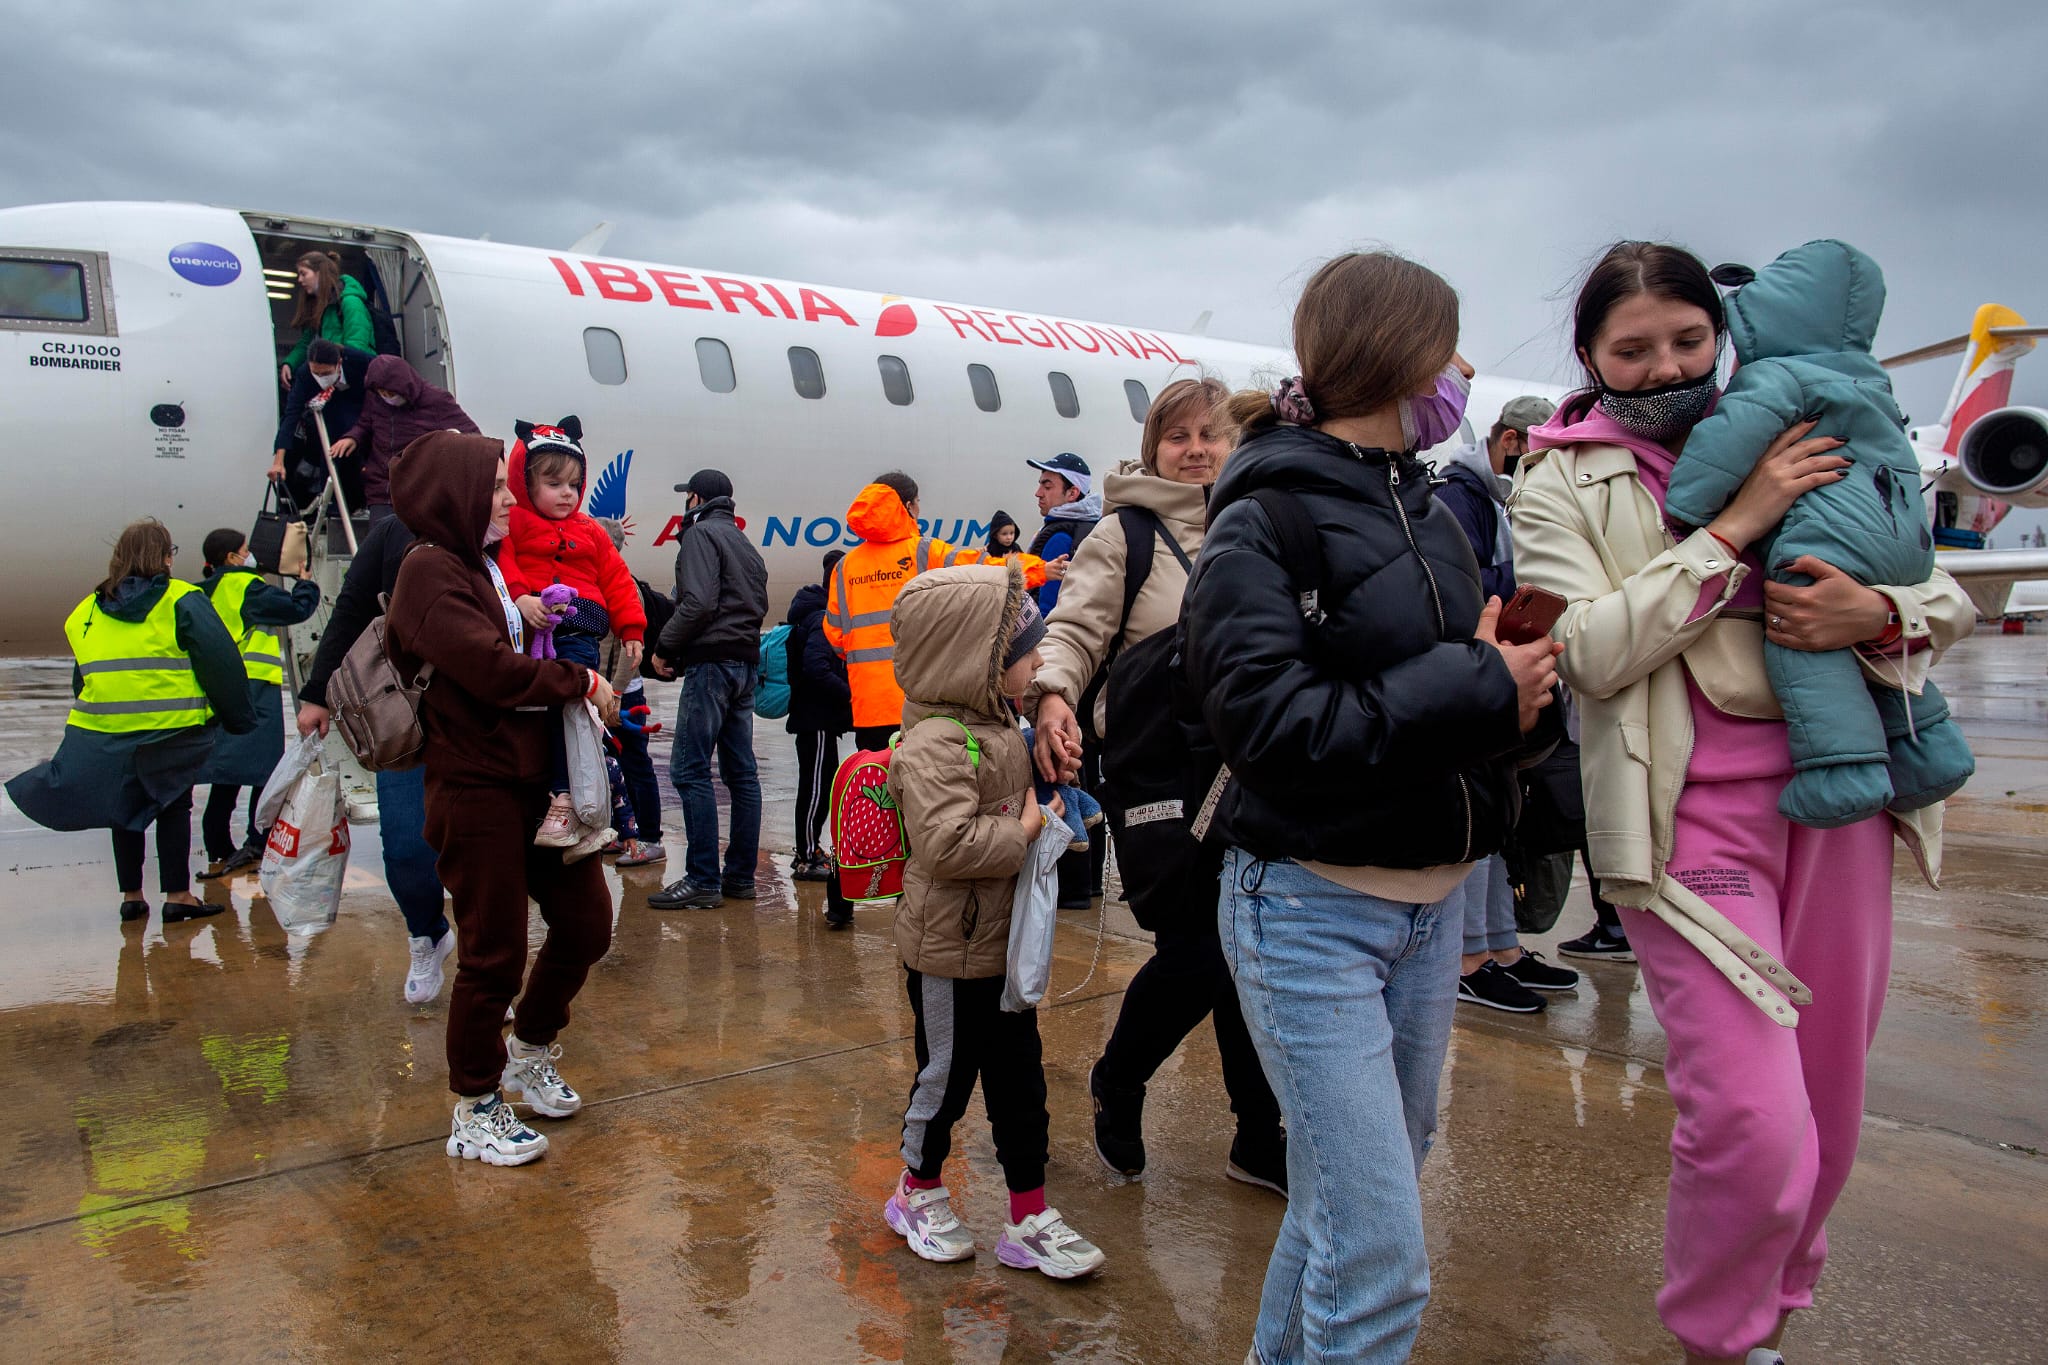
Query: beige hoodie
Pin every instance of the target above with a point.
(1084, 623)
(960, 816)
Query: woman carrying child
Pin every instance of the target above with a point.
(1764, 944)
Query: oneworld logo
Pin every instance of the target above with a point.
(205, 263)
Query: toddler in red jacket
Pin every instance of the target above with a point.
(552, 541)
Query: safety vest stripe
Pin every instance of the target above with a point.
(879, 654)
(263, 659)
(159, 664)
(866, 618)
(839, 617)
(954, 557)
(924, 554)
(134, 708)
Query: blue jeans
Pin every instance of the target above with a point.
(716, 712)
(1348, 999)
(408, 858)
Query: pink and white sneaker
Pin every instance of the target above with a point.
(558, 828)
(1043, 1242)
(924, 1218)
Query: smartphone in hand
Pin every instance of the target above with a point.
(1528, 615)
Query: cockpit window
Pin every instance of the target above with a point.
(43, 291)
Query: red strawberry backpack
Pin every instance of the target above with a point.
(867, 828)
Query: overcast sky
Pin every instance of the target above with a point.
(1127, 163)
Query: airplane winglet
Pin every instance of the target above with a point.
(592, 242)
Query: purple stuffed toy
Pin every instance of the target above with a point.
(552, 597)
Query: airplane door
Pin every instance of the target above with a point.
(135, 379)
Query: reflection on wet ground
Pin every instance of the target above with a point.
(226, 1141)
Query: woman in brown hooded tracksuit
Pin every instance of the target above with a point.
(485, 714)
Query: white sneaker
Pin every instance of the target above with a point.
(558, 827)
(924, 1218)
(587, 842)
(530, 1073)
(1043, 1242)
(1764, 1355)
(423, 979)
(487, 1130)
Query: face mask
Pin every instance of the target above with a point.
(1660, 414)
(327, 381)
(492, 535)
(1509, 466)
(393, 399)
(1428, 419)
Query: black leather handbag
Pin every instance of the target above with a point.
(272, 532)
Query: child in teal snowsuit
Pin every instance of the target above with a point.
(1802, 331)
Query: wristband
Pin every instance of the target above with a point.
(591, 691)
(1726, 543)
(1889, 636)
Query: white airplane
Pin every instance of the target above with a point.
(139, 350)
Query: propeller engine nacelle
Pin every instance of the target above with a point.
(2005, 454)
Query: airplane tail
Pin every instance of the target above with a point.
(1984, 383)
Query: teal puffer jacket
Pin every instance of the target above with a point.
(1802, 331)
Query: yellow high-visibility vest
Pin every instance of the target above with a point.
(262, 653)
(136, 677)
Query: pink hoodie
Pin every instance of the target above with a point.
(1724, 747)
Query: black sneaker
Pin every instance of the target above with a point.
(739, 891)
(1532, 971)
(1599, 943)
(247, 856)
(681, 895)
(1260, 1161)
(1119, 1124)
(1077, 903)
(1492, 987)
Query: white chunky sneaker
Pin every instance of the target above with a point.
(1764, 1355)
(423, 979)
(558, 827)
(924, 1218)
(588, 841)
(1043, 1242)
(487, 1130)
(530, 1073)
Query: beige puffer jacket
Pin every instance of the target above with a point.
(961, 818)
(1586, 528)
(1083, 624)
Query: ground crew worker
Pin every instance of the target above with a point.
(248, 607)
(862, 592)
(154, 668)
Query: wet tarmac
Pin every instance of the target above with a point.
(225, 1142)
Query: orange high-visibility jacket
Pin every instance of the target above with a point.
(863, 591)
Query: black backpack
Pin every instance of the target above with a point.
(658, 607)
(1161, 773)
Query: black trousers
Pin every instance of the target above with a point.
(217, 821)
(1604, 914)
(817, 759)
(964, 1034)
(173, 850)
(873, 736)
(1185, 980)
(1080, 873)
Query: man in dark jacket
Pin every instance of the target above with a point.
(341, 373)
(1475, 483)
(820, 711)
(715, 638)
(401, 796)
(1070, 505)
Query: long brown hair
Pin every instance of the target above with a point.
(1627, 269)
(1184, 400)
(1371, 327)
(140, 551)
(312, 307)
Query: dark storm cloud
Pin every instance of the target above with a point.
(1116, 161)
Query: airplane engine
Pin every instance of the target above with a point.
(2005, 454)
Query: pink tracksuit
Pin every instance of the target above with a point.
(1768, 1117)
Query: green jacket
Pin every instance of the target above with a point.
(348, 322)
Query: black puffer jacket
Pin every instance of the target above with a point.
(721, 592)
(1387, 739)
(820, 701)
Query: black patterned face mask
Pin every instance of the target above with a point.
(1660, 414)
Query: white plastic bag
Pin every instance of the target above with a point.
(1034, 914)
(590, 783)
(305, 857)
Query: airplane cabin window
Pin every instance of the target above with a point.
(1063, 396)
(606, 355)
(987, 396)
(1141, 401)
(806, 372)
(896, 380)
(714, 365)
(43, 291)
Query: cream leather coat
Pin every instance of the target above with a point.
(1585, 527)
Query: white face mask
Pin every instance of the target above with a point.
(327, 381)
(393, 399)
